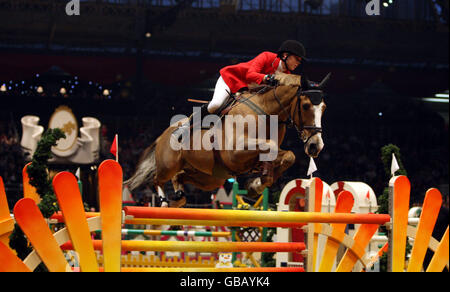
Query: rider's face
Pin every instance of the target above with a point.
(292, 62)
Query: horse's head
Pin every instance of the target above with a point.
(310, 107)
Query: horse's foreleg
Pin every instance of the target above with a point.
(284, 161)
(268, 155)
(272, 170)
(257, 185)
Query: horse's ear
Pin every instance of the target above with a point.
(325, 81)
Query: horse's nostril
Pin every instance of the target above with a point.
(313, 150)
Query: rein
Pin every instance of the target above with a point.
(290, 121)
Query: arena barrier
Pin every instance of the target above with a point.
(47, 246)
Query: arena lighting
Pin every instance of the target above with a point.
(106, 92)
(40, 89)
(3, 88)
(438, 98)
(63, 90)
(431, 99)
(387, 3)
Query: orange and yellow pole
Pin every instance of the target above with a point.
(256, 216)
(198, 246)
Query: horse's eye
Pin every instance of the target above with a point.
(306, 106)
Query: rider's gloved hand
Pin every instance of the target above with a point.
(270, 80)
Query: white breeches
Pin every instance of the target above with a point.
(221, 92)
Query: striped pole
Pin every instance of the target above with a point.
(175, 233)
(197, 246)
(257, 216)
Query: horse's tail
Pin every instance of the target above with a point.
(145, 170)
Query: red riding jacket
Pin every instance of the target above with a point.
(241, 75)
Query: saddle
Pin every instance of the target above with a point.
(240, 98)
(228, 104)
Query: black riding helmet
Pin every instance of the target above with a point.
(292, 47)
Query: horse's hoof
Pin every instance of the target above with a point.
(179, 195)
(162, 202)
(178, 204)
(253, 187)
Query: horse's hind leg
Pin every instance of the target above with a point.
(163, 175)
(179, 200)
(162, 196)
(200, 180)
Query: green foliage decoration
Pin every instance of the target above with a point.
(39, 178)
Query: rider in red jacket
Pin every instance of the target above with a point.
(258, 70)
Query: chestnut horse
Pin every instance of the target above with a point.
(207, 169)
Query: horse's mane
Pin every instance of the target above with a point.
(257, 88)
(283, 78)
(288, 79)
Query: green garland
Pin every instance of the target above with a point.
(38, 174)
(386, 158)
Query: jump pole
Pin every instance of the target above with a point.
(175, 233)
(184, 222)
(256, 216)
(197, 246)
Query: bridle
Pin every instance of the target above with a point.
(316, 97)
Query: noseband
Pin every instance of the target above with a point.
(316, 98)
